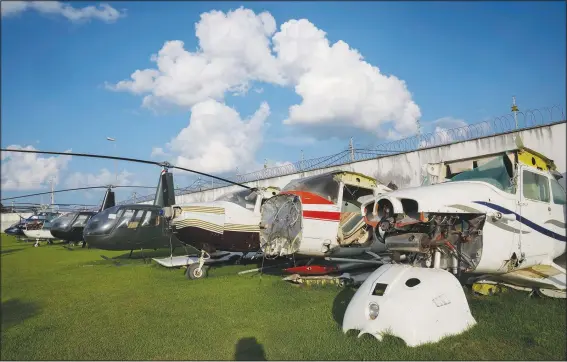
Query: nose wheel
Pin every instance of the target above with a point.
(198, 270)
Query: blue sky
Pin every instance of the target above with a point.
(458, 60)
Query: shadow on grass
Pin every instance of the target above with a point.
(248, 349)
(15, 311)
(340, 304)
(10, 251)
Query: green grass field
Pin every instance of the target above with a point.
(59, 304)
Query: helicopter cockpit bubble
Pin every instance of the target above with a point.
(62, 222)
(103, 222)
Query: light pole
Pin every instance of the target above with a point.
(115, 169)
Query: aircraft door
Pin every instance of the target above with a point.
(124, 232)
(558, 215)
(150, 230)
(535, 211)
(78, 225)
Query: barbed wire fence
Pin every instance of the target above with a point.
(499, 125)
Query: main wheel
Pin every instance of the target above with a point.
(193, 271)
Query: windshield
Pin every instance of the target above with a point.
(494, 172)
(62, 222)
(323, 185)
(243, 198)
(103, 222)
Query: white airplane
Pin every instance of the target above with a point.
(319, 217)
(228, 224)
(499, 217)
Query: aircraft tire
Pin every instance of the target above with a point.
(192, 274)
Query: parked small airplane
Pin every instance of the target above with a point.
(499, 217)
(228, 224)
(319, 217)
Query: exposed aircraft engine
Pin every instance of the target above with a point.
(415, 304)
(281, 225)
(439, 240)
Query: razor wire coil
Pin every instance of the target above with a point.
(498, 125)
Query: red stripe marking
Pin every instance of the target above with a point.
(308, 198)
(324, 215)
(311, 270)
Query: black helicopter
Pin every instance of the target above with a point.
(136, 226)
(70, 227)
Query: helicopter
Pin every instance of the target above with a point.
(136, 226)
(69, 227)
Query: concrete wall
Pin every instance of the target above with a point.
(8, 219)
(404, 169)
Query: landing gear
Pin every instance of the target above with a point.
(198, 270)
(36, 243)
(194, 271)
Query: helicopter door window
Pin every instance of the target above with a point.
(150, 219)
(136, 219)
(123, 223)
(536, 186)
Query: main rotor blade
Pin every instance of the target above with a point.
(75, 189)
(162, 164)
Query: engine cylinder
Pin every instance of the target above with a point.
(410, 242)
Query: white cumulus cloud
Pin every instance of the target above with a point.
(103, 178)
(239, 48)
(234, 49)
(217, 139)
(336, 85)
(103, 12)
(30, 171)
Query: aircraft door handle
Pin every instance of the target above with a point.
(548, 208)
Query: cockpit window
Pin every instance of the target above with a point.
(63, 221)
(494, 172)
(323, 185)
(243, 198)
(558, 192)
(81, 221)
(103, 222)
(536, 186)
